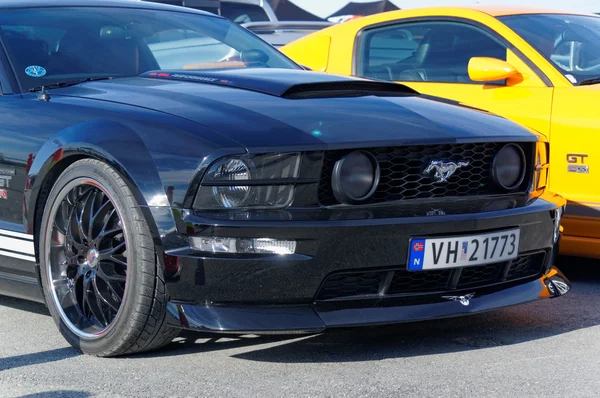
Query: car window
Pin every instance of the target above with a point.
(425, 51)
(570, 42)
(50, 45)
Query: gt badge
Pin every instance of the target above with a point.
(444, 170)
(6, 177)
(3, 194)
(464, 300)
(577, 163)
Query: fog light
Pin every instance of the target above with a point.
(213, 244)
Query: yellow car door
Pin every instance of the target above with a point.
(575, 159)
(433, 57)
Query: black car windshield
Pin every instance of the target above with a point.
(571, 42)
(53, 45)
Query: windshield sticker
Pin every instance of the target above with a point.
(571, 78)
(35, 71)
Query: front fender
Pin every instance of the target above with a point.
(115, 144)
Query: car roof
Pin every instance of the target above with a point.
(7, 4)
(259, 3)
(474, 11)
(253, 2)
(505, 11)
(494, 11)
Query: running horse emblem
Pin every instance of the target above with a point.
(444, 170)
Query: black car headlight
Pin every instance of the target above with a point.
(509, 167)
(249, 181)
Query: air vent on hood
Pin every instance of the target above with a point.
(349, 88)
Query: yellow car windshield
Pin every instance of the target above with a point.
(570, 42)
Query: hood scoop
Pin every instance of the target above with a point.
(289, 84)
(350, 88)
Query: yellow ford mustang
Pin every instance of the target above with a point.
(539, 68)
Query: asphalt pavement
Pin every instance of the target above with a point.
(546, 348)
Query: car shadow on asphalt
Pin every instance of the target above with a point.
(24, 305)
(36, 358)
(509, 326)
(58, 393)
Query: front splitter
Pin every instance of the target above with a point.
(317, 317)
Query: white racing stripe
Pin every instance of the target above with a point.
(17, 245)
(17, 255)
(16, 234)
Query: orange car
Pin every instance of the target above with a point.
(539, 68)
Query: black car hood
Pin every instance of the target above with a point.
(268, 108)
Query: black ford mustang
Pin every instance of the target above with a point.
(162, 168)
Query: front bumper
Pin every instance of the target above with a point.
(284, 293)
(316, 318)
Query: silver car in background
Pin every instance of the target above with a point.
(278, 34)
(238, 11)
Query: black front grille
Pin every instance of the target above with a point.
(364, 283)
(403, 177)
(405, 281)
(523, 266)
(473, 276)
(402, 281)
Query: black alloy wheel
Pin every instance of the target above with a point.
(100, 276)
(88, 259)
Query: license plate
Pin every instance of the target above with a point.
(463, 251)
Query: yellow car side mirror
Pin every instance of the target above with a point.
(484, 69)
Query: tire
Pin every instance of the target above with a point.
(100, 276)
